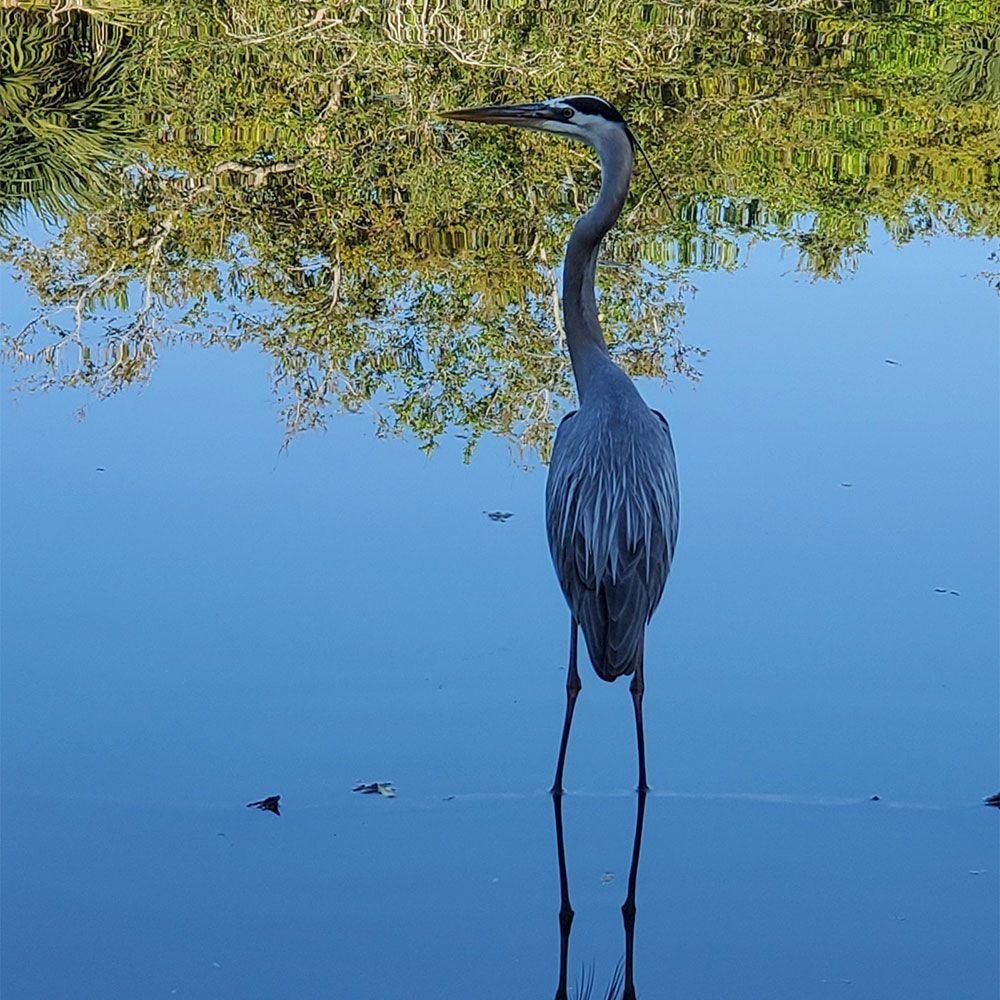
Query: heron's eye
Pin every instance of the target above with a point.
(565, 114)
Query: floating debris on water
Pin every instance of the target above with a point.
(607, 877)
(875, 798)
(847, 486)
(498, 515)
(270, 804)
(891, 361)
(375, 788)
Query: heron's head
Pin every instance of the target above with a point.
(585, 117)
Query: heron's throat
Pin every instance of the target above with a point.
(587, 347)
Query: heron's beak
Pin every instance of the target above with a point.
(519, 115)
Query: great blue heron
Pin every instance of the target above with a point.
(611, 500)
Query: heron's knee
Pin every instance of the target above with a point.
(573, 684)
(637, 686)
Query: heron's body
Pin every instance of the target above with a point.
(612, 514)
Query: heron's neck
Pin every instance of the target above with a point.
(587, 348)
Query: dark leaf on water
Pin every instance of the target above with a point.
(375, 788)
(498, 515)
(270, 804)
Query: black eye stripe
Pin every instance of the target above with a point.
(595, 106)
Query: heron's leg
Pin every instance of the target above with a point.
(637, 687)
(565, 910)
(572, 690)
(628, 907)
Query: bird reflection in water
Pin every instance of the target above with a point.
(623, 979)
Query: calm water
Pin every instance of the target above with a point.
(194, 618)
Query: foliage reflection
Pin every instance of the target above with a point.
(260, 174)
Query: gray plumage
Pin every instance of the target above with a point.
(612, 514)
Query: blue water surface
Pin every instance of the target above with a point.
(193, 619)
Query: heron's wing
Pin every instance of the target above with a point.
(611, 589)
(670, 501)
(613, 616)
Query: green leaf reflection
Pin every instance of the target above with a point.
(274, 174)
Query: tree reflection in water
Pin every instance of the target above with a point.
(257, 175)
